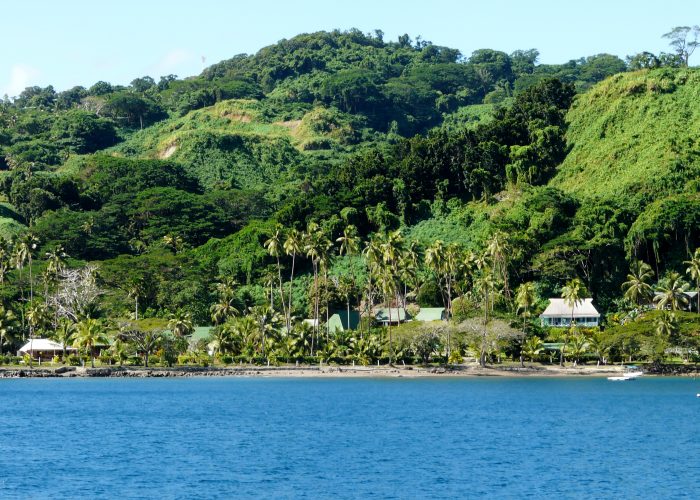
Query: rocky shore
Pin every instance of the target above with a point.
(325, 371)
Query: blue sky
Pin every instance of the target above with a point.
(77, 42)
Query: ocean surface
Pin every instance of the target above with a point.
(349, 438)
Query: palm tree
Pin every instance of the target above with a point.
(694, 271)
(267, 322)
(54, 265)
(275, 247)
(387, 283)
(349, 244)
(64, 334)
(672, 293)
(313, 249)
(293, 247)
(533, 347)
(145, 342)
(666, 324)
(487, 286)
(37, 319)
(246, 329)
(572, 294)
(222, 310)
(90, 333)
(227, 338)
(497, 250)
(599, 347)
(525, 298)
(135, 291)
(434, 260)
(577, 348)
(637, 288)
(373, 257)
(174, 242)
(180, 323)
(120, 350)
(7, 318)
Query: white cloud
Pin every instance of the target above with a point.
(21, 77)
(170, 62)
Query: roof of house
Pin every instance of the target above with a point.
(559, 308)
(689, 294)
(339, 320)
(430, 314)
(397, 314)
(43, 345)
(201, 332)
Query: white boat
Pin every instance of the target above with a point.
(631, 374)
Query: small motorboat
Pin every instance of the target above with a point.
(631, 373)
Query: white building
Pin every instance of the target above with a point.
(559, 314)
(44, 349)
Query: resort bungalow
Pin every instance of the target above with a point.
(399, 315)
(559, 314)
(431, 314)
(386, 316)
(44, 349)
(339, 321)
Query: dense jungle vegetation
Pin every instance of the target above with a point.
(336, 171)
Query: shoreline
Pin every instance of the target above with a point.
(460, 371)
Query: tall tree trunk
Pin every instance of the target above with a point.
(291, 281)
(391, 347)
(279, 274)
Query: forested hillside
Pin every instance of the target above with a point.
(172, 186)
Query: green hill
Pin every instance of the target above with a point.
(634, 135)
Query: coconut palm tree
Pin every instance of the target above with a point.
(174, 242)
(120, 350)
(525, 298)
(693, 271)
(348, 244)
(373, 258)
(599, 347)
(292, 246)
(227, 338)
(572, 293)
(135, 290)
(498, 250)
(672, 293)
(7, 319)
(222, 310)
(90, 333)
(435, 262)
(180, 323)
(637, 288)
(533, 347)
(55, 263)
(65, 331)
(387, 284)
(275, 247)
(487, 287)
(667, 324)
(577, 347)
(145, 341)
(313, 246)
(267, 322)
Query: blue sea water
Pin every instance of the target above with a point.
(349, 438)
